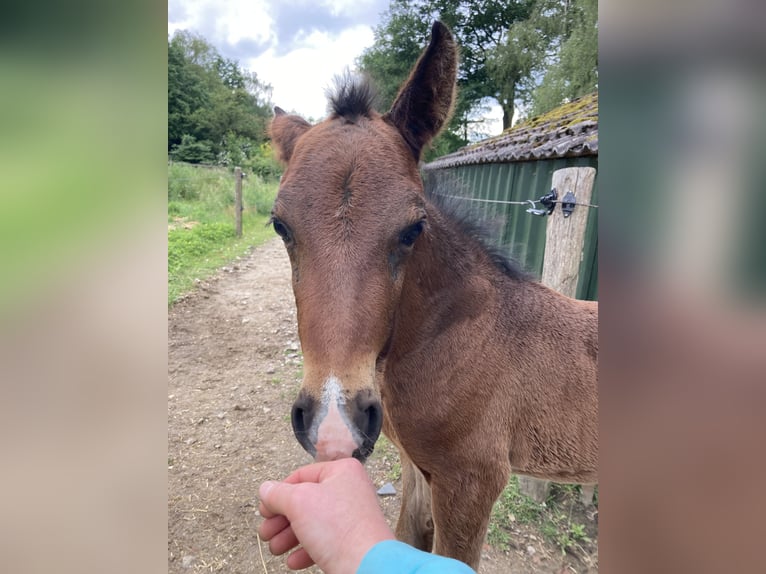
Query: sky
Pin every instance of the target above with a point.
(297, 46)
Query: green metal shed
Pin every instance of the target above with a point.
(518, 165)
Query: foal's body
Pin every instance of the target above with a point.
(407, 322)
(484, 378)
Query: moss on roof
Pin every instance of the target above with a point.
(569, 130)
(572, 113)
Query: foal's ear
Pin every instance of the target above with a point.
(424, 103)
(285, 130)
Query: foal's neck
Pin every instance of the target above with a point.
(451, 278)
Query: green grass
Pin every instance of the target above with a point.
(553, 519)
(389, 456)
(510, 507)
(201, 236)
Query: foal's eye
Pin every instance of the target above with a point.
(281, 229)
(409, 235)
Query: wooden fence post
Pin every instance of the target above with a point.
(565, 236)
(238, 200)
(564, 241)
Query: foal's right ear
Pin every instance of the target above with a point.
(285, 130)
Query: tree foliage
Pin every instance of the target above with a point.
(552, 56)
(217, 111)
(574, 72)
(524, 54)
(479, 26)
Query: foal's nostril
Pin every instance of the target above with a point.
(374, 414)
(298, 418)
(302, 415)
(368, 418)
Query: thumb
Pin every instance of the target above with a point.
(276, 496)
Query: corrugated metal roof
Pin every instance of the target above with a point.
(571, 130)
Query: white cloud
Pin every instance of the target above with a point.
(299, 67)
(222, 22)
(300, 77)
(297, 46)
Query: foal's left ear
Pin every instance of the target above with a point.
(285, 130)
(424, 103)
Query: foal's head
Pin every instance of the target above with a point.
(350, 209)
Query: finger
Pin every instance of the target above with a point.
(275, 497)
(265, 511)
(320, 471)
(299, 560)
(282, 498)
(283, 541)
(273, 526)
(310, 473)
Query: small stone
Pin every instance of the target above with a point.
(266, 410)
(271, 371)
(216, 446)
(245, 319)
(531, 550)
(387, 490)
(221, 415)
(240, 408)
(187, 561)
(171, 397)
(190, 441)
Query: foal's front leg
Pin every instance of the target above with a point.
(415, 525)
(461, 503)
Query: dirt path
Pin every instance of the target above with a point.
(234, 370)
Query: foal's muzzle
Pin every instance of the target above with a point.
(333, 428)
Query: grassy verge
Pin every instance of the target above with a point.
(201, 237)
(389, 456)
(554, 518)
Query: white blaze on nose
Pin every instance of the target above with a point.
(335, 437)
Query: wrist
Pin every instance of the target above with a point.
(364, 539)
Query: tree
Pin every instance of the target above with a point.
(186, 93)
(552, 56)
(479, 26)
(575, 72)
(223, 109)
(525, 54)
(192, 151)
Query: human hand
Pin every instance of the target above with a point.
(331, 509)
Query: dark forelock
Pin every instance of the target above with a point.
(351, 97)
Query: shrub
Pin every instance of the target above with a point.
(192, 151)
(263, 163)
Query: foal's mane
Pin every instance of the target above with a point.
(475, 231)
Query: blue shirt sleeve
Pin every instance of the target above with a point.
(394, 557)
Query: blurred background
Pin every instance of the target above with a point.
(84, 150)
